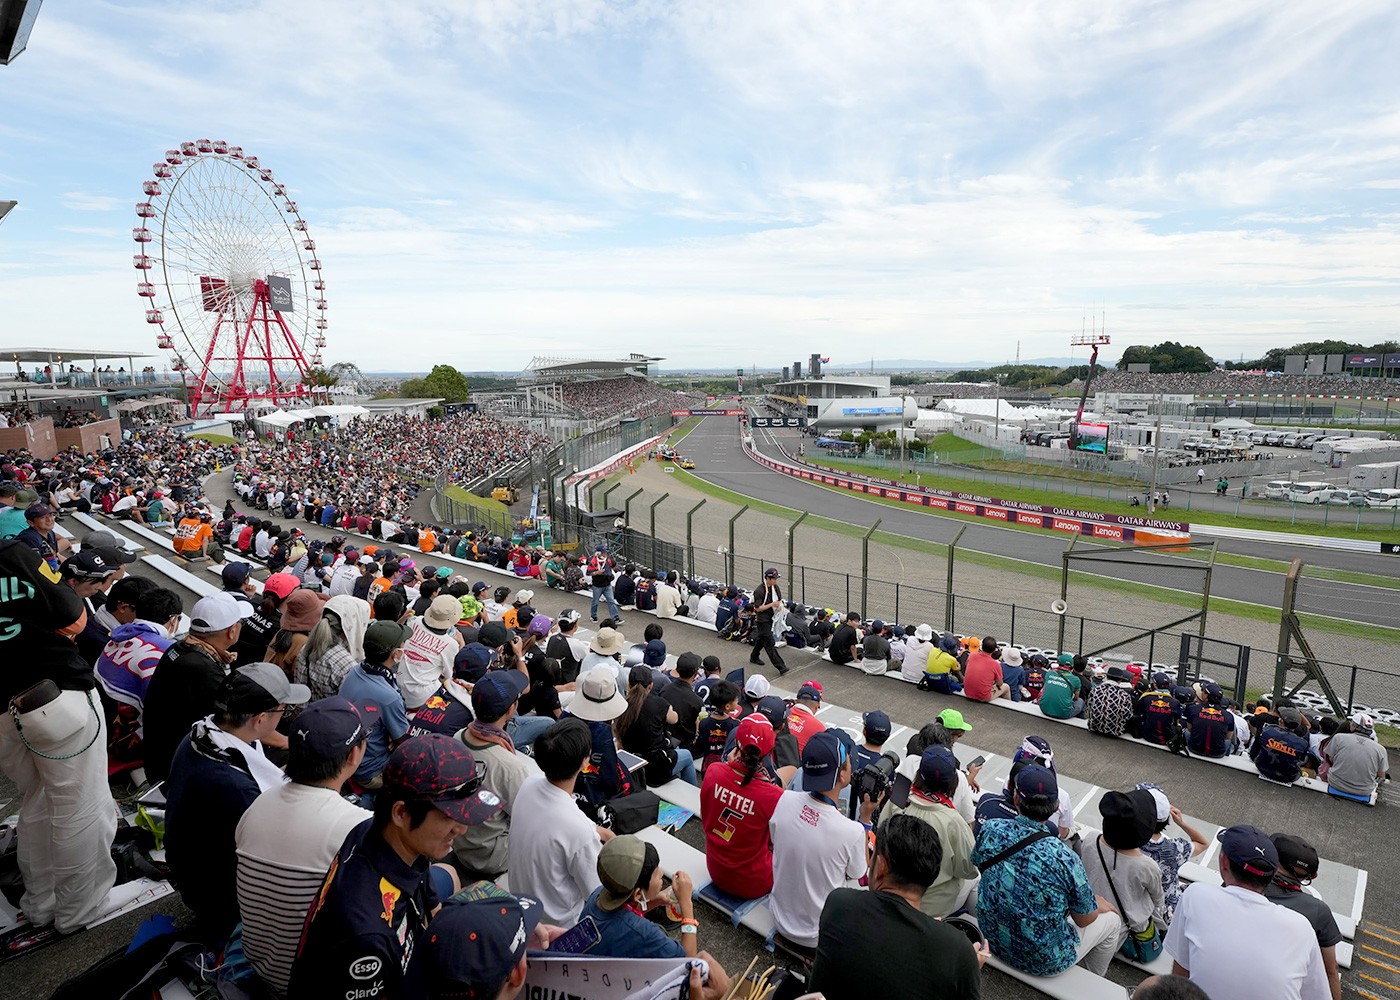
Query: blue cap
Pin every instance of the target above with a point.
(774, 709)
(493, 695)
(876, 723)
(475, 941)
(329, 728)
(938, 768)
(1037, 780)
(655, 653)
(822, 759)
(235, 573)
(1248, 847)
(810, 690)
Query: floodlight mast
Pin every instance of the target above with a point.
(1094, 340)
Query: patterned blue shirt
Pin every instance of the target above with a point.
(1022, 903)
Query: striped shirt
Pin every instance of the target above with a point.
(286, 841)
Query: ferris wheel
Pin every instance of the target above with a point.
(229, 273)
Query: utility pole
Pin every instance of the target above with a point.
(997, 425)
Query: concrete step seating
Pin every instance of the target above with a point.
(1341, 886)
(1238, 762)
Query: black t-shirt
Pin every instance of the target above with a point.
(36, 607)
(785, 751)
(181, 691)
(842, 642)
(1280, 754)
(648, 731)
(823, 629)
(1319, 914)
(624, 589)
(1161, 716)
(543, 697)
(687, 703)
(257, 632)
(558, 647)
(861, 929)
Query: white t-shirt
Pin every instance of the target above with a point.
(668, 599)
(709, 605)
(125, 503)
(427, 662)
(343, 580)
(553, 851)
(1237, 943)
(816, 849)
(916, 653)
(286, 841)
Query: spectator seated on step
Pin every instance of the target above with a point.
(1297, 866)
(1110, 704)
(1210, 729)
(982, 677)
(1356, 762)
(1062, 696)
(1013, 671)
(1159, 712)
(1034, 902)
(1282, 751)
(1170, 853)
(930, 801)
(942, 672)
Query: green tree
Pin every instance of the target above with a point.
(1168, 357)
(319, 376)
(444, 381)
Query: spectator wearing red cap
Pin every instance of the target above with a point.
(375, 903)
(1231, 941)
(259, 629)
(736, 804)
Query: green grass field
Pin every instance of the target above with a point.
(485, 503)
(215, 438)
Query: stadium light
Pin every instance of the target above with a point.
(16, 22)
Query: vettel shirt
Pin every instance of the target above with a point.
(738, 845)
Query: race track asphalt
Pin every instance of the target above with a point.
(720, 459)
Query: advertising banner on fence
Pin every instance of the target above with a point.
(707, 413)
(779, 421)
(1110, 527)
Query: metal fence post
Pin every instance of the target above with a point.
(689, 546)
(652, 512)
(865, 564)
(948, 593)
(791, 537)
(606, 493)
(1064, 594)
(627, 506)
(730, 553)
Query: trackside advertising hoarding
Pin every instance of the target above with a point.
(1110, 527)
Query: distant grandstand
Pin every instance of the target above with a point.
(587, 392)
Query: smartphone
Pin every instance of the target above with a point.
(578, 938)
(631, 761)
(977, 761)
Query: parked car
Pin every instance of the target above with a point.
(1308, 440)
(1348, 498)
(1310, 492)
(1273, 438)
(1383, 499)
(1257, 437)
(1276, 490)
(1289, 440)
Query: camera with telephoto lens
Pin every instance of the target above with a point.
(874, 780)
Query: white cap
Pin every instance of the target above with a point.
(365, 560)
(923, 633)
(525, 595)
(1164, 807)
(218, 612)
(756, 686)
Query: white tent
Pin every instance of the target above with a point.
(990, 408)
(339, 410)
(932, 421)
(278, 418)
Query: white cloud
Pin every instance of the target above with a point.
(712, 178)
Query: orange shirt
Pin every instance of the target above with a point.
(190, 535)
(427, 541)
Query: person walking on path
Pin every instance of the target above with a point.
(1200, 476)
(767, 598)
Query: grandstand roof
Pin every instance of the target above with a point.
(546, 366)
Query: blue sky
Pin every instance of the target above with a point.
(727, 183)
